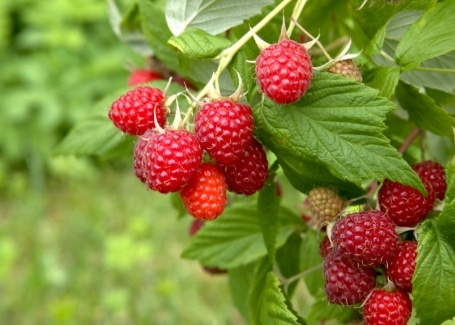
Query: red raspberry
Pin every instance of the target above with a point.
(284, 71)
(248, 174)
(405, 205)
(325, 246)
(368, 238)
(139, 76)
(140, 153)
(345, 283)
(435, 174)
(205, 195)
(172, 159)
(387, 307)
(225, 129)
(133, 113)
(400, 268)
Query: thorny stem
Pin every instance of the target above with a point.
(227, 55)
(319, 44)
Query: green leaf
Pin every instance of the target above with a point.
(96, 134)
(240, 278)
(128, 29)
(430, 36)
(198, 44)
(434, 277)
(322, 310)
(256, 290)
(288, 260)
(437, 79)
(424, 112)
(213, 16)
(385, 79)
(446, 219)
(235, 238)
(449, 322)
(240, 65)
(268, 208)
(311, 260)
(157, 32)
(337, 124)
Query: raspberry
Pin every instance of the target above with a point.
(139, 76)
(326, 204)
(435, 174)
(195, 226)
(387, 307)
(205, 195)
(400, 268)
(172, 158)
(133, 113)
(225, 129)
(140, 153)
(346, 68)
(284, 71)
(345, 283)
(368, 238)
(405, 205)
(325, 246)
(248, 174)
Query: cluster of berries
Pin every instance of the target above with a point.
(170, 158)
(361, 246)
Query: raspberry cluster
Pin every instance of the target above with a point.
(361, 249)
(170, 158)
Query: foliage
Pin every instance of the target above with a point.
(342, 134)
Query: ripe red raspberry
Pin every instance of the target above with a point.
(405, 205)
(346, 68)
(326, 204)
(387, 307)
(225, 129)
(133, 113)
(172, 158)
(140, 154)
(345, 283)
(368, 238)
(139, 76)
(325, 246)
(284, 71)
(435, 174)
(248, 174)
(400, 268)
(205, 195)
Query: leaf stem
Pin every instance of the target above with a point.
(288, 281)
(441, 70)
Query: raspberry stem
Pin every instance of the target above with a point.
(296, 14)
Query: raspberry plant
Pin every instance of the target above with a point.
(373, 100)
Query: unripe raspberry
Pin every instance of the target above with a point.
(387, 307)
(326, 204)
(172, 158)
(368, 238)
(284, 71)
(346, 68)
(204, 197)
(225, 129)
(134, 113)
(345, 283)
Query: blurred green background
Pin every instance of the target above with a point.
(82, 241)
